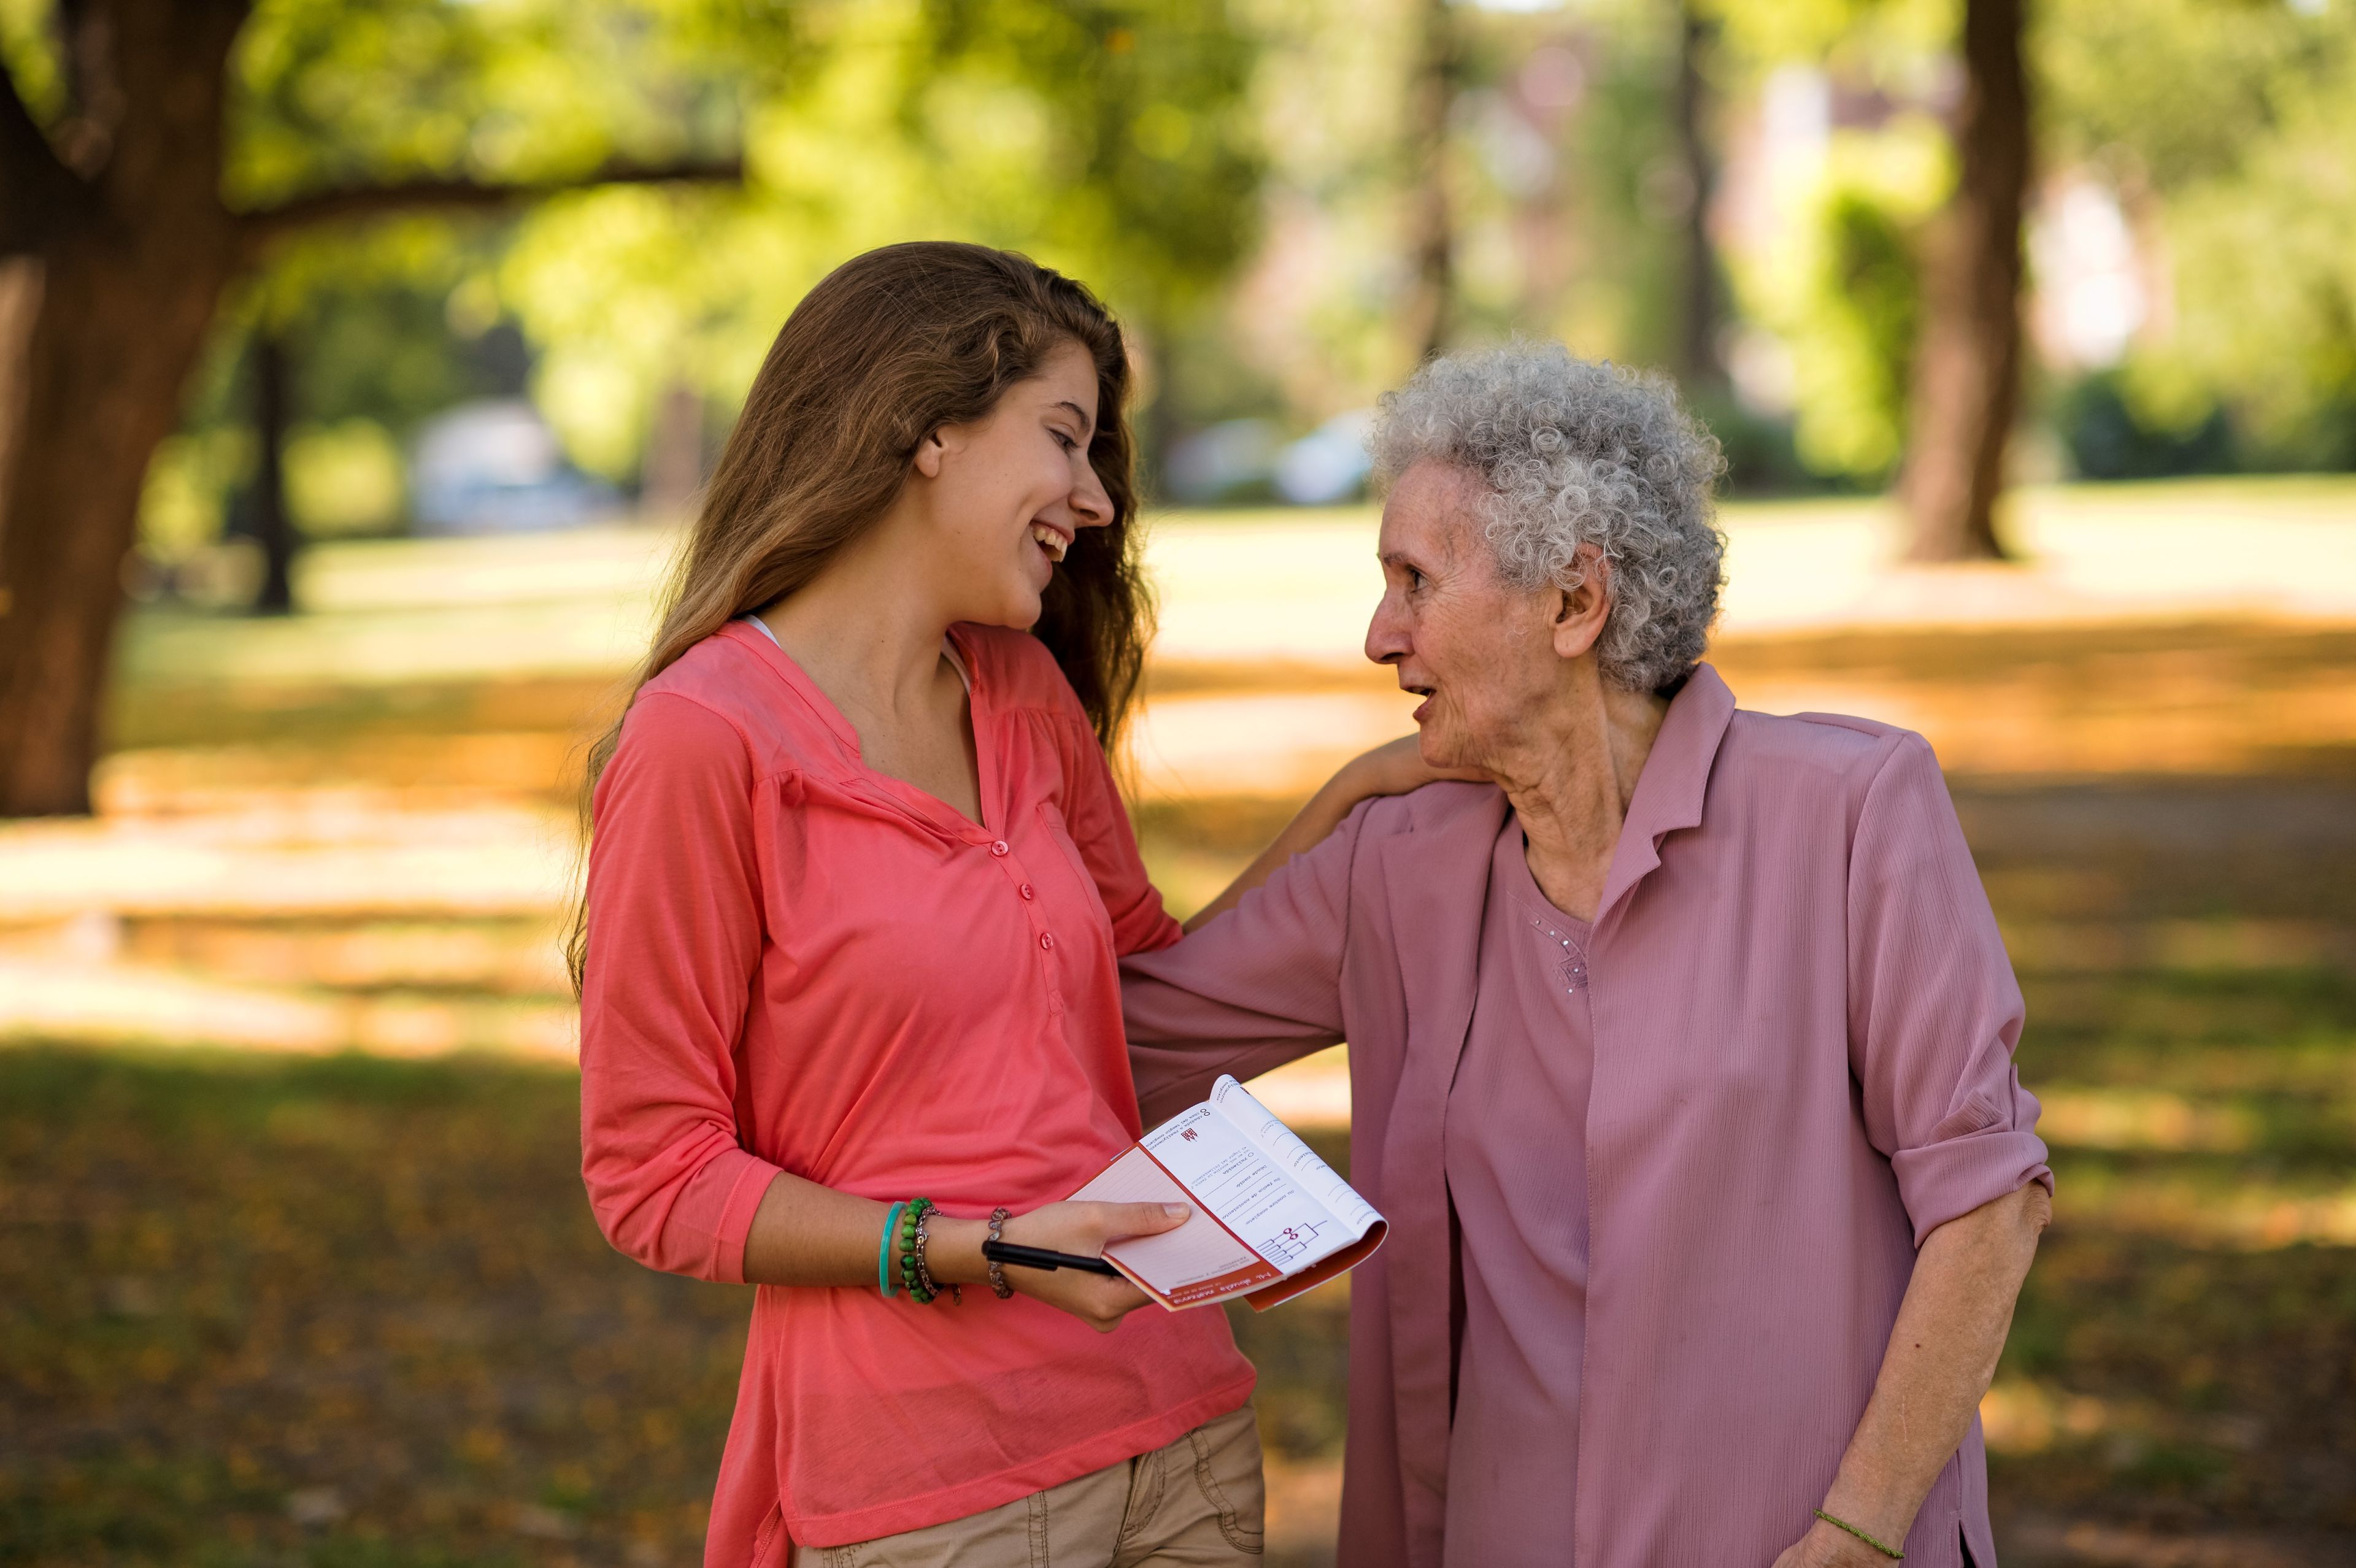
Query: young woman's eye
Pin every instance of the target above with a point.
(1063, 441)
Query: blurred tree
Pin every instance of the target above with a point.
(2228, 131)
(153, 151)
(1966, 362)
(1430, 238)
(274, 525)
(1701, 312)
(1145, 105)
(1112, 139)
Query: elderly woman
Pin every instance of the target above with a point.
(1680, 1049)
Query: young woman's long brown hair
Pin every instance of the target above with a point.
(889, 347)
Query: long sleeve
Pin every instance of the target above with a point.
(1100, 830)
(674, 935)
(1257, 987)
(1935, 1013)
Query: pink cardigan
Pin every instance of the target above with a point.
(1804, 1024)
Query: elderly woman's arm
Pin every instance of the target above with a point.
(1249, 992)
(1943, 1352)
(1934, 1017)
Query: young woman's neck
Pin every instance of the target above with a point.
(868, 629)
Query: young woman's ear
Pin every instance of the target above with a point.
(930, 452)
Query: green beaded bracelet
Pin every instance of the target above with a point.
(884, 1252)
(910, 1279)
(1890, 1552)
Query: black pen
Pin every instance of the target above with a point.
(1043, 1258)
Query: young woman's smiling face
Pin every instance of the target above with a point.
(1009, 493)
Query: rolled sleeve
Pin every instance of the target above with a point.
(1934, 1011)
(674, 935)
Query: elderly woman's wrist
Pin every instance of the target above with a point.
(1875, 1527)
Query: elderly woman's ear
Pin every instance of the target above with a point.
(1581, 609)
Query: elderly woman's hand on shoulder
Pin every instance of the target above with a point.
(1395, 767)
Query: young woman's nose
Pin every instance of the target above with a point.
(1091, 507)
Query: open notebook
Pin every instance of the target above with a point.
(1270, 1221)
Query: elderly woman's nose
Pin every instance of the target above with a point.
(1386, 635)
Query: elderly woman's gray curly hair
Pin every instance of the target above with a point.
(1575, 452)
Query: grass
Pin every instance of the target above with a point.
(353, 1311)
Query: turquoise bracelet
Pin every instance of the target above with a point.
(884, 1252)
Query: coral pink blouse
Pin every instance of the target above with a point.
(798, 964)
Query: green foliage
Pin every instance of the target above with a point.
(1842, 290)
(342, 92)
(2231, 129)
(1110, 141)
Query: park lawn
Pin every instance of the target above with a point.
(354, 1311)
(268, 1309)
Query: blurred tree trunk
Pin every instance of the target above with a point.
(133, 247)
(274, 527)
(115, 241)
(673, 472)
(1698, 364)
(1967, 359)
(1431, 257)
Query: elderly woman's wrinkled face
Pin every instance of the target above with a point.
(1484, 654)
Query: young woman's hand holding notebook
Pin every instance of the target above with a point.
(1270, 1221)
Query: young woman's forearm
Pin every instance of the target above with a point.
(1943, 1353)
(1310, 828)
(806, 1234)
(1393, 768)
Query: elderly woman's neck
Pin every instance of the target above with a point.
(1570, 782)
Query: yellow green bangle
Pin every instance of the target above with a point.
(1890, 1552)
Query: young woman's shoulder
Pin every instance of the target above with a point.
(724, 693)
(1018, 670)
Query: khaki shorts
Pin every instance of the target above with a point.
(1197, 1501)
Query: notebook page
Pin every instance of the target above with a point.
(1283, 1146)
(1198, 1259)
(1250, 1192)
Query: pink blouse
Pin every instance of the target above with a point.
(1516, 1166)
(798, 964)
(1802, 1031)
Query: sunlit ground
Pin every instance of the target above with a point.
(262, 1302)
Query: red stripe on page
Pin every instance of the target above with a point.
(1206, 1208)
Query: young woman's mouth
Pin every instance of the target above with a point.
(1053, 542)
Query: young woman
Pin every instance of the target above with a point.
(859, 883)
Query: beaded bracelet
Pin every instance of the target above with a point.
(884, 1252)
(998, 1285)
(924, 1264)
(1890, 1552)
(912, 1221)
